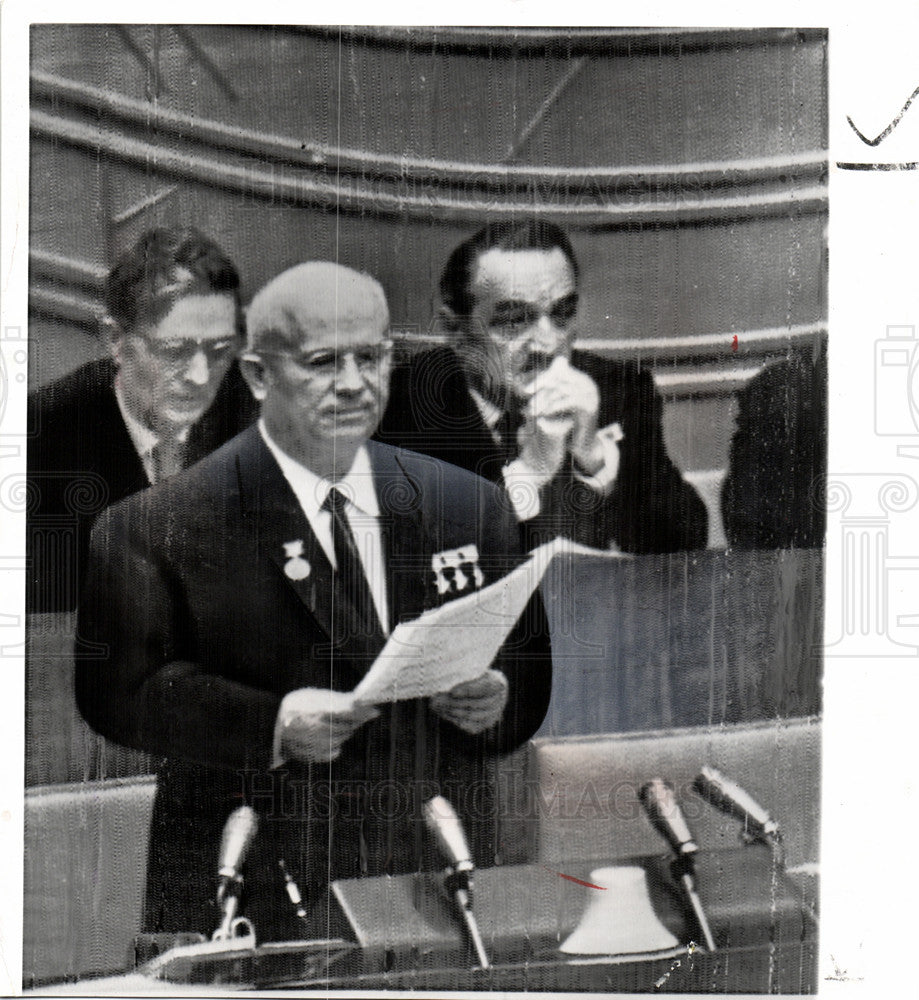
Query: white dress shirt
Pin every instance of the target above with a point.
(143, 439)
(362, 510)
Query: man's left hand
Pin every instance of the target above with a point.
(475, 705)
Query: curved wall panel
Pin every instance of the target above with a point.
(689, 166)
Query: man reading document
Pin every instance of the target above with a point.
(227, 612)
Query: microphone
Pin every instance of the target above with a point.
(727, 795)
(442, 821)
(664, 811)
(238, 834)
(661, 805)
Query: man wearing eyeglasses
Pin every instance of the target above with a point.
(242, 599)
(576, 439)
(168, 394)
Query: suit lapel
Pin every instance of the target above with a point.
(405, 539)
(484, 456)
(127, 471)
(275, 517)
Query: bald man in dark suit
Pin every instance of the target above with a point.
(240, 600)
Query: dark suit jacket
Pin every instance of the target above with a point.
(774, 494)
(650, 509)
(81, 459)
(199, 634)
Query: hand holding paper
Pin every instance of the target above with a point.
(450, 644)
(314, 723)
(475, 705)
(445, 655)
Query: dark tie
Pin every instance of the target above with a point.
(168, 455)
(352, 586)
(507, 428)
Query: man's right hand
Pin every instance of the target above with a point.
(542, 441)
(560, 401)
(315, 723)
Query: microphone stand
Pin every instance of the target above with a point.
(459, 883)
(238, 834)
(444, 824)
(228, 900)
(660, 803)
(728, 796)
(683, 869)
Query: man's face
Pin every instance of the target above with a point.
(525, 303)
(330, 388)
(169, 371)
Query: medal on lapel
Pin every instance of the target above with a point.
(457, 570)
(296, 567)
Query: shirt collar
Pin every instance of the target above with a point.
(491, 414)
(143, 439)
(311, 490)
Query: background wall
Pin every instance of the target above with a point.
(689, 167)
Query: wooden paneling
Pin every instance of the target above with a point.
(85, 870)
(688, 165)
(686, 639)
(678, 97)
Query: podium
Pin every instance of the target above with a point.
(401, 933)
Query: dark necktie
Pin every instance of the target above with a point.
(352, 586)
(168, 455)
(507, 427)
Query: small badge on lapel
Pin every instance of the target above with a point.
(296, 567)
(457, 570)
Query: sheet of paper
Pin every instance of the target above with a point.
(548, 551)
(453, 643)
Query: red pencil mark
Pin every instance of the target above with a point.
(734, 345)
(578, 881)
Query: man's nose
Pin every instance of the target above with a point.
(545, 336)
(349, 378)
(198, 369)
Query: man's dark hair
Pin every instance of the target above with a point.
(163, 266)
(531, 234)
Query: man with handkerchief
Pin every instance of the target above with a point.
(228, 613)
(575, 439)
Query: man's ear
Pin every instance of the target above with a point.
(447, 320)
(254, 372)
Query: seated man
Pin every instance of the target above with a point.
(162, 400)
(774, 494)
(576, 440)
(238, 598)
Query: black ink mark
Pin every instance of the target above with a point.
(840, 975)
(843, 165)
(877, 140)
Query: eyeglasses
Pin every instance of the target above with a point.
(328, 363)
(180, 352)
(511, 319)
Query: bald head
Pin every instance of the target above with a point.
(318, 361)
(316, 305)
